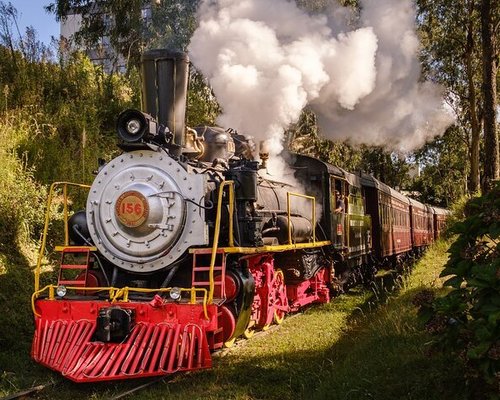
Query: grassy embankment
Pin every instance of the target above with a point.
(21, 212)
(348, 349)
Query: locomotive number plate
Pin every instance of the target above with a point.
(132, 209)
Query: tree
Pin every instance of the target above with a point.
(451, 56)
(443, 177)
(489, 27)
(202, 106)
(8, 19)
(304, 137)
(131, 26)
(388, 167)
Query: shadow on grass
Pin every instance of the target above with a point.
(382, 357)
(16, 320)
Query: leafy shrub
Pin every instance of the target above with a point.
(21, 197)
(467, 319)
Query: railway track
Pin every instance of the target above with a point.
(29, 391)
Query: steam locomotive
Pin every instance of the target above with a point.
(187, 243)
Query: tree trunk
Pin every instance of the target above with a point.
(474, 122)
(491, 161)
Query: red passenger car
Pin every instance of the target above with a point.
(440, 215)
(390, 213)
(430, 222)
(422, 236)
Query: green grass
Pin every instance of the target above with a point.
(351, 348)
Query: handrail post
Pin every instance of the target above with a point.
(231, 213)
(44, 238)
(289, 213)
(314, 220)
(65, 208)
(51, 292)
(47, 222)
(217, 232)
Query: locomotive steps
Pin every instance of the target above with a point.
(341, 350)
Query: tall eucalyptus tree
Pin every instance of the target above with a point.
(451, 55)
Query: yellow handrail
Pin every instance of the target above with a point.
(47, 222)
(65, 208)
(116, 293)
(289, 212)
(217, 232)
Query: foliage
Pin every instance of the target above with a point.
(28, 44)
(22, 199)
(72, 108)
(451, 54)
(490, 23)
(304, 137)
(443, 179)
(390, 168)
(447, 42)
(467, 319)
(202, 106)
(55, 120)
(22, 203)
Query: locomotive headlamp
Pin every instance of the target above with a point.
(134, 125)
(61, 291)
(175, 293)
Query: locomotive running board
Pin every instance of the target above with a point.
(151, 349)
(263, 249)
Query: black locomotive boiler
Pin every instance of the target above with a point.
(186, 243)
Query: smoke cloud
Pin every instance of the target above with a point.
(266, 60)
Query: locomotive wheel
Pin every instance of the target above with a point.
(280, 293)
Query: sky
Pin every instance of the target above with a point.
(32, 12)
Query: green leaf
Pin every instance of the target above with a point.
(478, 351)
(482, 333)
(494, 317)
(455, 282)
(494, 231)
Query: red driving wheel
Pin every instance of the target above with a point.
(280, 299)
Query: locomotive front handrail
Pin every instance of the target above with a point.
(215, 244)
(47, 222)
(289, 195)
(116, 293)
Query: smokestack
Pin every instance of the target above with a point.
(164, 89)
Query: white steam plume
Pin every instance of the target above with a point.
(401, 112)
(266, 60)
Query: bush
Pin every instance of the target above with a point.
(467, 319)
(22, 199)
